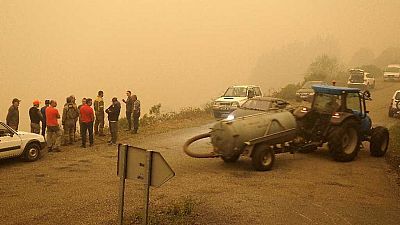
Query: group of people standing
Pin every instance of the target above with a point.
(91, 120)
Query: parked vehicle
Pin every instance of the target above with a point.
(306, 92)
(392, 73)
(233, 98)
(360, 79)
(258, 105)
(13, 143)
(394, 108)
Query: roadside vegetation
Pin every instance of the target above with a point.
(178, 212)
(155, 121)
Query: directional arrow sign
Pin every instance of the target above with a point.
(161, 172)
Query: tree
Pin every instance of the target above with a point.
(323, 68)
(372, 69)
(363, 56)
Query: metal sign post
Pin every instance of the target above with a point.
(145, 166)
(149, 159)
(122, 155)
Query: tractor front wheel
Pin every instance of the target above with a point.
(379, 141)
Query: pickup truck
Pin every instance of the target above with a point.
(233, 98)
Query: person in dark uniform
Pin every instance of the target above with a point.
(113, 115)
(136, 113)
(12, 119)
(36, 117)
(69, 118)
(129, 107)
(43, 111)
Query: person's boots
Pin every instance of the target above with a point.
(101, 133)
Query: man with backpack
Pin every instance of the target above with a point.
(69, 118)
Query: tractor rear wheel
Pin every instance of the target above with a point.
(379, 141)
(344, 142)
(263, 157)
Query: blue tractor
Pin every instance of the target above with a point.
(338, 116)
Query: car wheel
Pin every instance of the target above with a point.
(379, 141)
(344, 142)
(31, 152)
(263, 158)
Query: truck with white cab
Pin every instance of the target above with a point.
(233, 98)
(392, 73)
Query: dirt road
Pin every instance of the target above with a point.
(80, 186)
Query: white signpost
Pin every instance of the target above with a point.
(145, 166)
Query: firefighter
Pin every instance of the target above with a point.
(69, 118)
(99, 113)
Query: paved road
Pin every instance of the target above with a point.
(80, 186)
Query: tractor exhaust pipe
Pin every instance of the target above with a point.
(198, 155)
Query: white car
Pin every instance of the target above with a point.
(233, 98)
(13, 143)
(394, 108)
(360, 79)
(392, 73)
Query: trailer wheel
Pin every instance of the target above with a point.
(344, 142)
(230, 159)
(263, 158)
(379, 141)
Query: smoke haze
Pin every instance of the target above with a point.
(178, 53)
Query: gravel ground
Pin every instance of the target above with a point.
(80, 186)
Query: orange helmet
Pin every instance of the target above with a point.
(36, 102)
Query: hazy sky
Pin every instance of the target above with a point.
(178, 53)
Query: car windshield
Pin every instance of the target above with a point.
(357, 77)
(309, 84)
(4, 131)
(257, 104)
(236, 92)
(392, 69)
(397, 97)
(326, 103)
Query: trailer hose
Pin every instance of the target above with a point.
(198, 155)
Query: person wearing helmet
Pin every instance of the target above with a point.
(36, 117)
(12, 119)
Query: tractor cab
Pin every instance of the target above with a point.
(342, 103)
